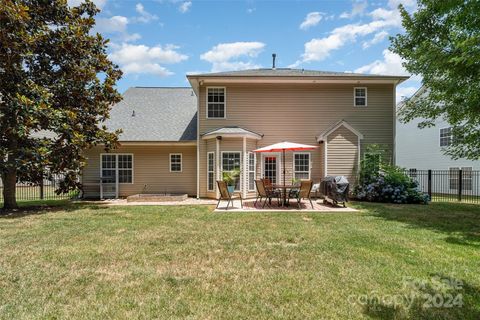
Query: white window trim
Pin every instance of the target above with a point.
(440, 137)
(116, 165)
(208, 153)
(309, 164)
(224, 102)
(254, 170)
(355, 96)
(241, 167)
(170, 162)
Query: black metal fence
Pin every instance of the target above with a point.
(44, 190)
(449, 185)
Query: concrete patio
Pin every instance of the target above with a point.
(248, 206)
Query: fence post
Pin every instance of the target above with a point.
(429, 185)
(460, 184)
(41, 190)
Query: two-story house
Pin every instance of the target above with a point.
(180, 140)
(423, 149)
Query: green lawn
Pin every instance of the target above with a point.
(86, 262)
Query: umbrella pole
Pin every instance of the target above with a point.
(284, 190)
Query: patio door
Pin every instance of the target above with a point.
(270, 168)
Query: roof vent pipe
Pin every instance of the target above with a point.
(274, 55)
(133, 113)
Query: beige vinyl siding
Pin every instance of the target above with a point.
(342, 153)
(151, 168)
(299, 113)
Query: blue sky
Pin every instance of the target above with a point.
(156, 43)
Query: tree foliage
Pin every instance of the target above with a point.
(442, 44)
(57, 87)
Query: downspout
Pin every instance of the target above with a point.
(394, 152)
(198, 144)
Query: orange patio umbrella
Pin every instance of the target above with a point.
(285, 146)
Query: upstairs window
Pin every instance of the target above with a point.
(360, 96)
(446, 137)
(215, 103)
(175, 162)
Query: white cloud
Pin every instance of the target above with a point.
(144, 59)
(228, 56)
(112, 24)
(406, 3)
(319, 49)
(393, 16)
(358, 9)
(116, 25)
(379, 37)
(405, 92)
(185, 6)
(145, 16)
(99, 3)
(311, 20)
(390, 65)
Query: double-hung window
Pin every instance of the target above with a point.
(175, 162)
(412, 172)
(454, 175)
(230, 162)
(446, 137)
(113, 163)
(301, 166)
(360, 96)
(215, 102)
(210, 171)
(251, 171)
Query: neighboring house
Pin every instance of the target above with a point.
(422, 149)
(180, 140)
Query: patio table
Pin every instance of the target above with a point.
(284, 189)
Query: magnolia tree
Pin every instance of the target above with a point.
(442, 44)
(57, 87)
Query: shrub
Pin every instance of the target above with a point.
(381, 182)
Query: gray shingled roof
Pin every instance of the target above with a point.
(287, 72)
(231, 130)
(155, 114)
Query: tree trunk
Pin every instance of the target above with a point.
(9, 180)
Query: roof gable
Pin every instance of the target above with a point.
(342, 123)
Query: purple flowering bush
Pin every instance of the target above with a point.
(380, 189)
(379, 182)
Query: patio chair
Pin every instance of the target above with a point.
(225, 195)
(305, 192)
(267, 183)
(263, 192)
